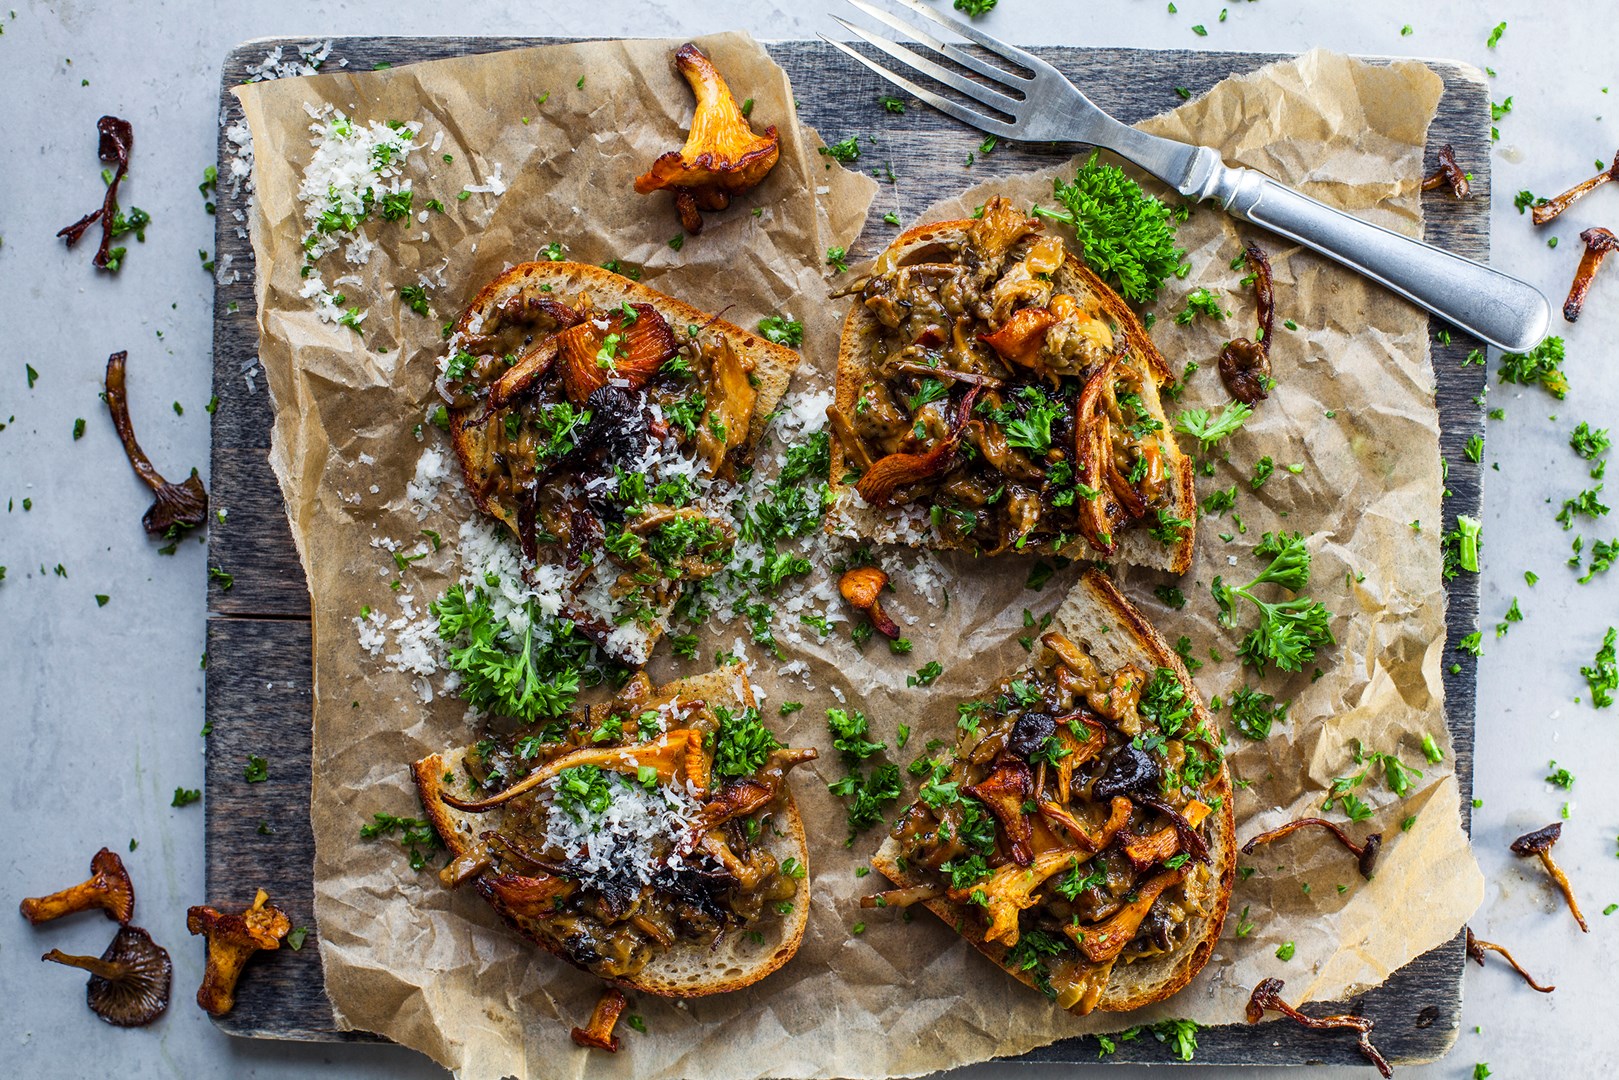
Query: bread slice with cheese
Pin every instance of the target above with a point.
(505, 852)
(566, 383)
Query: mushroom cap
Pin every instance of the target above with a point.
(723, 155)
(1541, 840)
(115, 881)
(130, 987)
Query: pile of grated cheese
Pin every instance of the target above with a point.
(641, 831)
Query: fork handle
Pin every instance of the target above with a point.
(1492, 306)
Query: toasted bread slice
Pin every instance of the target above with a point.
(761, 371)
(1096, 616)
(737, 959)
(909, 524)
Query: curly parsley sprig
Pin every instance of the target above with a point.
(1290, 632)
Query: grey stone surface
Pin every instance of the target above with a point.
(100, 706)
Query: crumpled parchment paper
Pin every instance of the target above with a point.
(1354, 409)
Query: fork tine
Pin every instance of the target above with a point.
(960, 56)
(971, 33)
(938, 101)
(977, 91)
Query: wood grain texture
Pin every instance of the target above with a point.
(259, 643)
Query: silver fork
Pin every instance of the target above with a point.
(1039, 104)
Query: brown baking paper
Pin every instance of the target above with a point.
(437, 971)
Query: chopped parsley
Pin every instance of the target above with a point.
(1542, 364)
(782, 331)
(1603, 673)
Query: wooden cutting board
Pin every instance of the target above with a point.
(259, 647)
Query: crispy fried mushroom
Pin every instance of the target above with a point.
(1552, 207)
(862, 587)
(1365, 853)
(129, 983)
(177, 506)
(232, 941)
(1476, 949)
(1245, 365)
(723, 156)
(598, 1033)
(1448, 174)
(1268, 996)
(1598, 243)
(1539, 843)
(108, 888)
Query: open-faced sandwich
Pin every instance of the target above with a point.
(593, 416)
(1080, 834)
(995, 395)
(651, 840)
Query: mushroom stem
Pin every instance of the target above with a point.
(598, 1032)
(1447, 172)
(1552, 207)
(104, 969)
(1561, 880)
(1475, 952)
(1598, 243)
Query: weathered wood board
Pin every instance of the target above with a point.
(259, 647)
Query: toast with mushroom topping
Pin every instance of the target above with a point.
(592, 416)
(1080, 833)
(995, 395)
(651, 840)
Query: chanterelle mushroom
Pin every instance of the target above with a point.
(177, 506)
(1539, 843)
(108, 888)
(232, 940)
(129, 983)
(861, 586)
(598, 1033)
(722, 156)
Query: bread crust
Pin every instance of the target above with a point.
(667, 975)
(1136, 547)
(1096, 602)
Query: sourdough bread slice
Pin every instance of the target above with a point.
(909, 524)
(737, 959)
(1097, 617)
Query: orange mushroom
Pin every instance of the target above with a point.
(597, 1034)
(232, 941)
(109, 888)
(723, 156)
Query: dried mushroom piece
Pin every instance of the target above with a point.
(177, 506)
(598, 1033)
(232, 940)
(1539, 843)
(1268, 996)
(1598, 243)
(108, 888)
(1549, 209)
(862, 587)
(1365, 853)
(1476, 948)
(1448, 174)
(116, 141)
(723, 156)
(1244, 364)
(129, 983)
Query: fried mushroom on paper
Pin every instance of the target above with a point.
(723, 156)
(628, 832)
